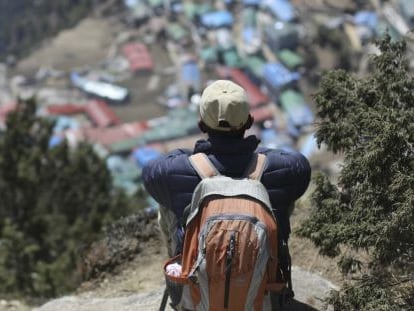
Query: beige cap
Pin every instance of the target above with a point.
(224, 106)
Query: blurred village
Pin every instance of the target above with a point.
(275, 49)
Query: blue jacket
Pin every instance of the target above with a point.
(171, 179)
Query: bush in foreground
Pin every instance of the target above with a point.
(371, 209)
(54, 201)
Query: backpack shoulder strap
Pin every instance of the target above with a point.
(203, 166)
(256, 167)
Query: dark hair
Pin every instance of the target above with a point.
(232, 133)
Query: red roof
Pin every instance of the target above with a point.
(97, 111)
(7, 108)
(110, 135)
(263, 113)
(254, 94)
(138, 57)
(65, 109)
(100, 113)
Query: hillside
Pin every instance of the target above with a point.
(24, 23)
(132, 279)
(138, 284)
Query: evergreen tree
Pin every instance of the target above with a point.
(371, 209)
(54, 201)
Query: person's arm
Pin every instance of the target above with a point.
(287, 175)
(156, 176)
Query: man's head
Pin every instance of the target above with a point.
(224, 109)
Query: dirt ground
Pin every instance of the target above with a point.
(146, 88)
(86, 44)
(141, 275)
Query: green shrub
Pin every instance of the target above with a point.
(54, 202)
(371, 121)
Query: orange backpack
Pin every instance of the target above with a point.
(230, 253)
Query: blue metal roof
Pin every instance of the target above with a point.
(191, 73)
(63, 123)
(131, 3)
(270, 138)
(55, 141)
(278, 75)
(249, 34)
(300, 115)
(282, 9)
(310, 146)
(366, 18)
(252, 2)
(144, 155)
(217, 19)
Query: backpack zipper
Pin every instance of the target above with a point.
(229, 259)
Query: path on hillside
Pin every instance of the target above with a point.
(309, 288)
(139, 286)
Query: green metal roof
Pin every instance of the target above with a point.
(180, 122)
(128, 186)
(191, 9)
(126, 176)
(164, 133)
(249, 17)
(209, 54)
(140, 10)
(290, 98)
(176, 31)
(131, 172)
(181, 112)
(232, 58)
(290, 59)
(255, 65)
(155, 3)
(125, 145)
